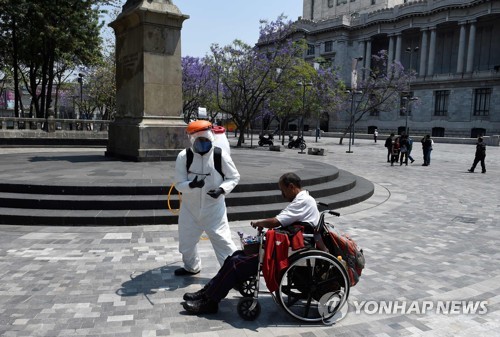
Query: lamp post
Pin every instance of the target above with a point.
(304, 85)
(351, 129)
(353, 91)
(80, 80)
(409, 98)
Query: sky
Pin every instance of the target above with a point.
(223, 21)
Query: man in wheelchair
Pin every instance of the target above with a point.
(239, 267)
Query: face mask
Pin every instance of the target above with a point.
(202, 145)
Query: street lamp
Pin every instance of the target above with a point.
(353, 91)
(351, 129)
(409, 98)
(80, 80)
(304, 85)
(406, 109)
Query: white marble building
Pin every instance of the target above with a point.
(454, 46)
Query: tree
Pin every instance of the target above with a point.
(380, 90)
(198, 86)
(246, 76)
(309, 90)
(100, 89)
(39, 35)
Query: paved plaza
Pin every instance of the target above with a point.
(430, 235)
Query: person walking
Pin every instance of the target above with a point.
(388, 145)
(404, 150)
(204, 174)
(410, 148)
(240, 267)
(375, 135)
(396, 147)
(427, 149)
(480, 156)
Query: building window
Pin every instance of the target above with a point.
(441, 98)
(310, 50)
(437, 132)
(373, 100)
(482, 102)
(330, 3)
(328, 46)
(374, 2)
(341, 2)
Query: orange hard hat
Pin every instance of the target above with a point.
(199, 125)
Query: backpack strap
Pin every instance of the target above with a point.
(217, 159)
(189, 158)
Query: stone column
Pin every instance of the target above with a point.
(432, 52)
(461, 48)
(390, 52)
(368, 55)
(148, 125)
(470, 50)
(423, 53)
(398, 47)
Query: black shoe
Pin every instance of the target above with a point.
(471, 170)
(425, 164)
(184, 272)
(197, 295)
(483, 171)
(200, 307)
(412, 161)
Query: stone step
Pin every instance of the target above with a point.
(159, 201)
(357, 191)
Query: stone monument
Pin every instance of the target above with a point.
(148, 124)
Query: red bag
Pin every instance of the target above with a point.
(341, 244)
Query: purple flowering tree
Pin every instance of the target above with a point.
(198, 86)
(247, 76)
(381, 90)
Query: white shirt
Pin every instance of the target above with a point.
(302, 209)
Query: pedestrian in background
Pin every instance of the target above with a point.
(396, 147)
(427, 149)
(388, 145)
(375, 135)
(480, 155)
(410, 147)
(403, 143)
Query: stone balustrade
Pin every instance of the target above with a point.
(53, 124)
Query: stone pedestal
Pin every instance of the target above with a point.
(148, 125)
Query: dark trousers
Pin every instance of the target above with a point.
(236, 269)
(478, 159)
(404, 158)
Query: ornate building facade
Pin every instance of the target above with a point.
(453, 46)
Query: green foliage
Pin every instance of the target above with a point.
(41, 38)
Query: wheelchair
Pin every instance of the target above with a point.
(313, 288)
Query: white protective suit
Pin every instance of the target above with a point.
(200, 212)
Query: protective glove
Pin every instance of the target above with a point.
(197, 183)
(215, 193)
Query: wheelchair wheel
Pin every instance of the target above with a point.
(248, 308)
(247, 288)
(302, 146)
(314, 287)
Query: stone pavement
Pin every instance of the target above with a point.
(429, 234)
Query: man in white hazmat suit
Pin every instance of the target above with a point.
(203, 206)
